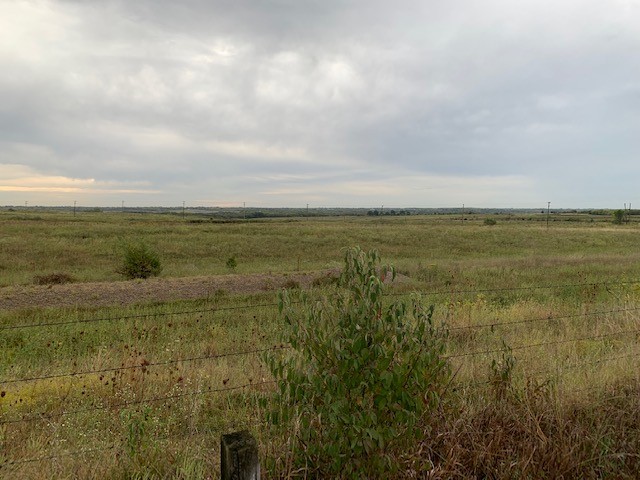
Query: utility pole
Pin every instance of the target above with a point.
(548, 207)
(244, 210)
(122, 206)
(182, 208)
(462, 216)
(74, 208)
(307, 209)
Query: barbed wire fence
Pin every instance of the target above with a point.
(624, 334)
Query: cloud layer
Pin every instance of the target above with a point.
(286, 103)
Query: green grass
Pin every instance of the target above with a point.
(515, 283)
(89, 246)
(147, 335)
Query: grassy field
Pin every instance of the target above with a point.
(144, 391)
(88, 246)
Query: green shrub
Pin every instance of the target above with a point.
(140, 262)
(618, 217)
(360, 375)
(490, 221)
(232, 263)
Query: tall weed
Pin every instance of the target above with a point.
(361, 375)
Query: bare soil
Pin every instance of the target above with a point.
(153, 290)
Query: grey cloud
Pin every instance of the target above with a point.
(184, 93)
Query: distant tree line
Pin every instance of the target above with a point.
(376, 213)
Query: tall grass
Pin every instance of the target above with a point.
(87, 246)
(135, 357)
(542, 345)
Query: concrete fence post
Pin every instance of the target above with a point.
(239, 457)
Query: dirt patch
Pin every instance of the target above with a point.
(101, 294)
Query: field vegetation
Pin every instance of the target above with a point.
(89, 246)
(542, 344)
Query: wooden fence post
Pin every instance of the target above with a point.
(239, 457)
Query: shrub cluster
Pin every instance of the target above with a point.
(361, 374)
(140, 261)
(232, 263)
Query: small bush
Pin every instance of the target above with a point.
(618, 217)
(57, 278)
(232, 263)
(361, 376)
(140, 262)
(489, 221)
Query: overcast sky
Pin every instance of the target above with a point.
(329, 103)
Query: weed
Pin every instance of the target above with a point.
(501, 373)
(232, 263)
(618, 217)
(136, 424)
(362, 375)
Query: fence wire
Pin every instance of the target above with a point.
(539, 344)
(136, 316)
(215, 309)
(144, 401)
(142, 365)
(259, 386)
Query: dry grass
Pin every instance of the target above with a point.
(534, 434)
(561, 400)
(57, 278)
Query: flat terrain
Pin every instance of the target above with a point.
(104, 377)
(89, 246)
(153, 290)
